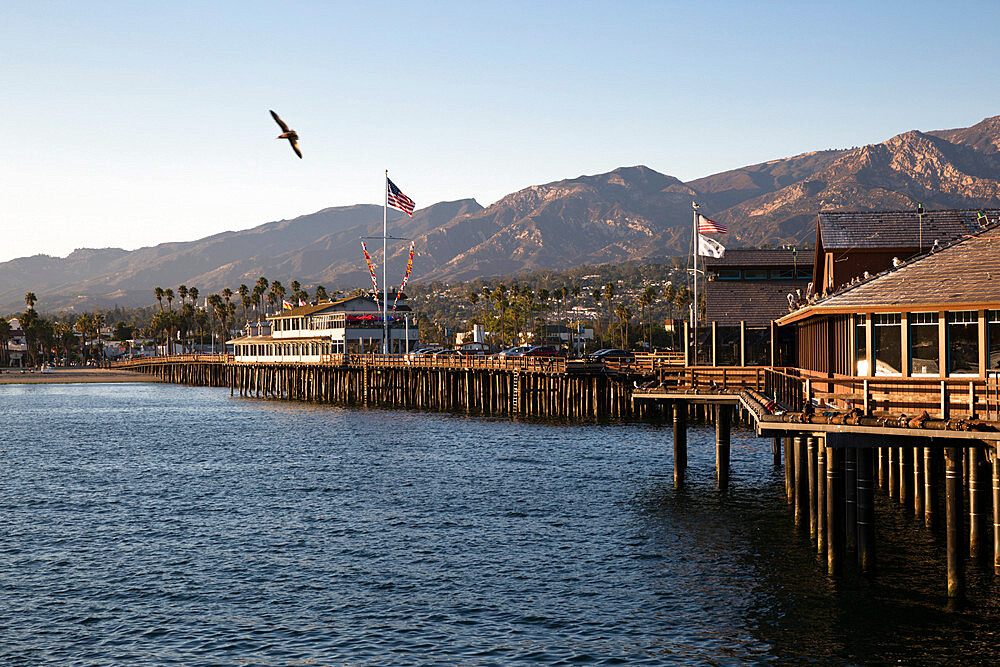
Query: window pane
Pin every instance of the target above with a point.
(755, 274)
(860, 346)
(993, 340)
(888, 344)
(924, 347)
(728, 274)
(963, 343)
(804, 272)
(782, 274)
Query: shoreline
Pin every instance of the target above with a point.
(71, 376)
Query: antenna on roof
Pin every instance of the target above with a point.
(920, 224)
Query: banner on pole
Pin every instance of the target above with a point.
(710, 247)
(406, 276)
(371, 270)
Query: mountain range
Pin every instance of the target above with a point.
(627, 214)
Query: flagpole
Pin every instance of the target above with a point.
(385, 263)
(694, 249)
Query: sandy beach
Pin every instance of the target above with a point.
(71, 375)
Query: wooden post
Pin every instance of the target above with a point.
(680, 442)
(743, 343)
(893, 474)
(821, 514)
(953, 519)
(801, 481)
(774, 344)
(715, 343)
(977, 504)
(687, 343)
(811, 472)
(866, 511)
(776, 452)
(905, 475)
(850, 494)
(929, 459)
(834, 510)
(918, 482)
(996, 512)
(789, 471)
(722, 446)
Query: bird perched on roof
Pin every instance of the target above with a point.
(291, 135)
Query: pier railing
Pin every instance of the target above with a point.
(944, 398)
(173, 358)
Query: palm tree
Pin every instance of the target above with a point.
(321, 294)
(219, 307)
(624, 314)
(296, 286)
(473, 298)
(168, 294)
(609, 294)
(5, 331)
(158, 293)
(645, 301)
(182, 292)
(193, 293)
(244, 293)
(227, 294)
(260, 289)
(278, 290)
(187, 320)
(30, 299)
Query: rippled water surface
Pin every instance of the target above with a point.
(155, 524)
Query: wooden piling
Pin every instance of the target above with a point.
(953, 521)
(680, 442)
(722, 428)
(835, 510)
(866, 510)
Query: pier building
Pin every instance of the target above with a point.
(308, 333)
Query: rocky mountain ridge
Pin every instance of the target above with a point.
(629, 213)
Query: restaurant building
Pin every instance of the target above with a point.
(934, 316)
(307, 333)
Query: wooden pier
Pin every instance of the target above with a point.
(931, 447)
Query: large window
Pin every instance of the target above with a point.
(860, 345)
(888, 344)
(755, 274)
(728, 274)
(782, 274)
(993, 340)
(925, 348)
(963, 343)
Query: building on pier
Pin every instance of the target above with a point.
(935, 316)
(753, 286)
(851, 243)
(307, 333)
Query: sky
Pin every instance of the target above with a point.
(128, 124)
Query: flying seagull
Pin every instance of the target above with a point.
(291, 135)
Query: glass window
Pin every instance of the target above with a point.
(924, 345)
(860, 345)
(728, 274)
(782, 274)
(804, 272)
(993, 339)
(755, 274)
(888, 344)
(963, 343)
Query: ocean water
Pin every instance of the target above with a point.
(159, 524)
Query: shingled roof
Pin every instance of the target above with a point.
(754, 302)
(962, 276)
(897, 229)
(765, 258)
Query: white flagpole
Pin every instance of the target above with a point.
(694, 309)
(385, 262)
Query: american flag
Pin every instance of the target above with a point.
(397, 199)
(706, 226)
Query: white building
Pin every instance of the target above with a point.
(17, 345)
(306, 333)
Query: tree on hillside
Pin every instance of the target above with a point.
(158, 293)
(321, 294)
(278, 290)
(30, 300)
(193, 293)
(182, 292)
(5, 332)
(168, 294)
(645, 302)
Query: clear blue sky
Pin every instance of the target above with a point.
(130, 124)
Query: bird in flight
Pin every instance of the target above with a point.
(291, 135)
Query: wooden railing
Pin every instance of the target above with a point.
(173, 359)
(499, 363)
(886, 396)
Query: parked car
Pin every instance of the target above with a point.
(446, 353)
(517, 351)
(542, 351)
(421, 352)
(611, 354)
